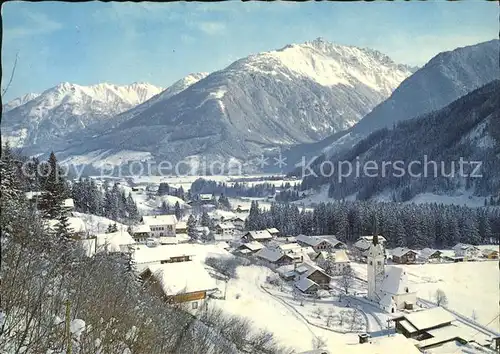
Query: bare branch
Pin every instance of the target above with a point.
(11, 75)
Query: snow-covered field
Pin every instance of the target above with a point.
(246, 298)
(471, 287)
(98, 224)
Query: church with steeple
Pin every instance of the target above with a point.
(389, 288)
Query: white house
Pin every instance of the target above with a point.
(114, 242)
(181, 282)
(225, 230)
(466, 251)
(239, 223)
(160, 225)
(339, 260)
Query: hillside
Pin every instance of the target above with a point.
(468, 128)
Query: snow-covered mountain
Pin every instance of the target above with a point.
(69, 107)
(19, 101)
(445, 78)
(298, 94)
(466, 130)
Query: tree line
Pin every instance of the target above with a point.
(403, 225)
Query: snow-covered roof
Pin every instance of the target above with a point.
(205, 196)
(427, 252)
(141, 228)
(429, 318)
(68, 203)
(145, 254)
(401, 251)
(225, 225)
(260, 235)
(289, 246)
(253, 246)
(182, 277)
(270, 254)
(362, 244)
(304, 284)
(311, 268)
(395, 281)
(113, 241)
(313, 241)
(370, 238)
(159, 219)
(464, 246)
(223, 237)
(181, 225)
(273, 230)
(341, 256)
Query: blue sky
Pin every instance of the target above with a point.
(88, 43)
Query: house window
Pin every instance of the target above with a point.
(406, 289)
(379, 263)
(371, 263)
(194, 305)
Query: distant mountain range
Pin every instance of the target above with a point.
(66, 108)
(299, 94)
(302, 100)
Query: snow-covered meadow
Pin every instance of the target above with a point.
(471, 287)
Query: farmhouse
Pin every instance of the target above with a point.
(320, 243)
(434, 327)
(143, 256)
(429, 255)
(181, 282)
(336, 261)
(250, 247)
(307, 285)
(160, 225)
(315, 274)
(259, 235)
(114, 242)
(239, 223)
(140, 232)
(402, 255)
(466, 251)
(225, 230)
(274, 256)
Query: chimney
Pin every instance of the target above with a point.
(363, 338)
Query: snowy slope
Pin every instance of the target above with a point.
(69, 107)
(298, 94)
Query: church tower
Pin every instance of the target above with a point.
(376, 272)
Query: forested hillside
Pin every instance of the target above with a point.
(467, 129)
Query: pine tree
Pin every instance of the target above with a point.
(112, 228)
(205, 219)
(54, 190)
(177, 211)
(191, 226)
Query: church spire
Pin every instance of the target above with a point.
(375, 231)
